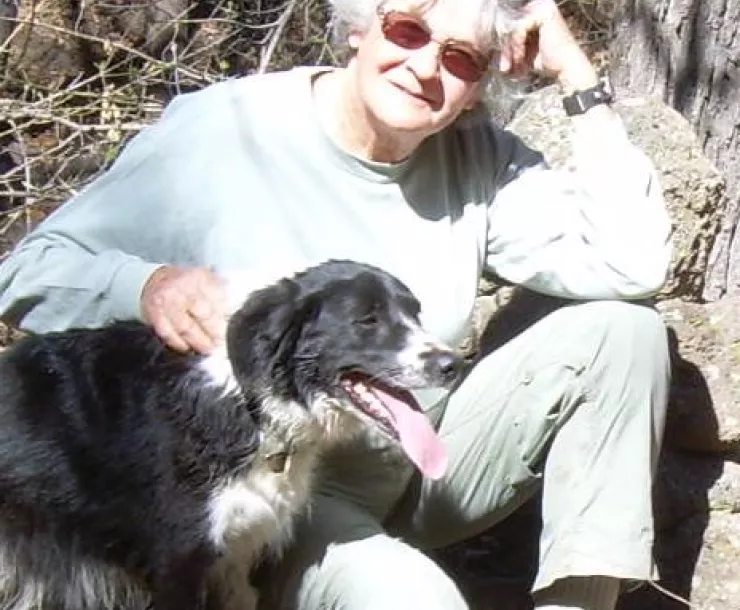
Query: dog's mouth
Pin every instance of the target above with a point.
(398, 414)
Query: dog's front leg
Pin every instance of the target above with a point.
(181, 581)
(230, 583)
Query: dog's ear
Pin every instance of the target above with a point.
(261, 336)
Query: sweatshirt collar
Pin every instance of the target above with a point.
(376, 171)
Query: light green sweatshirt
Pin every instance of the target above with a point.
(241, 176)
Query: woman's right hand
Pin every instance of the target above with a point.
(186, 307)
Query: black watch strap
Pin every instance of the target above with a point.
(581, 101)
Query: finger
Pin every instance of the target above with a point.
(155, 293)
(504, 63)
(210, 315)
(189, 330)
(517, 47)
(167, 333)
(210, 306)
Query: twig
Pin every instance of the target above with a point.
(106, 42)
(275, 36)
(45, 116)
(671, 594)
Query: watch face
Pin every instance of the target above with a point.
(606, 87)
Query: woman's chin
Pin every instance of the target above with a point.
(407, 118)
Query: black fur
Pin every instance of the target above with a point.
(111, 444)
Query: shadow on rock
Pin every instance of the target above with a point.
(682, 507)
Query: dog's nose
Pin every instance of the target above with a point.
(444, 365)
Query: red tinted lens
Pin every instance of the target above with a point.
(405, 31)
(462, 64)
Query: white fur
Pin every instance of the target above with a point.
(418, 344)
(217, 367)
(264, 502)
(87, 584)
(255, 513)
(259, 504)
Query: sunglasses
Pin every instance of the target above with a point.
(410, 32)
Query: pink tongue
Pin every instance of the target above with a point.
(418, 437)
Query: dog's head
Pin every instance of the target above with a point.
(347, 335)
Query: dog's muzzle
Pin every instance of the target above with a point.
(442, 366)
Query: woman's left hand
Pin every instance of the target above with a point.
(542, 42)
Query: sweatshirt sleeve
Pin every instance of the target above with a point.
(600, 231)
(87, 263)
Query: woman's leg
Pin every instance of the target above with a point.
(343, 559)
(575, 403)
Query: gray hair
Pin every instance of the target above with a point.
(493, 19)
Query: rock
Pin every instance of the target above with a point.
(700, 561)
(41, 51)
(683, 486)
(724, 495)
(716, 583)
(148, 27)
(60, 40)
(704, 412)
(693, 189)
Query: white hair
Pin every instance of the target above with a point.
(492, 19)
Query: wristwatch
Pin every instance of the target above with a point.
(581, 101)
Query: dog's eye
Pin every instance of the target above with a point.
(369, 319)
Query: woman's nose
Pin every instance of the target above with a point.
(424, 62)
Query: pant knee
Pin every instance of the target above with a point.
(622, 351)
(617, 331)
(377, 573)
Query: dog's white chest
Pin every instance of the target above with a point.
(257, 510)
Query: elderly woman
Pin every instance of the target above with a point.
(392, 160)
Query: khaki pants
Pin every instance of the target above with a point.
(574, 405)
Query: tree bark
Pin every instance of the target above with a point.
(687, 52)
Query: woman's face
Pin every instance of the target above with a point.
(410, 91)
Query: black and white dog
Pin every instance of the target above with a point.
(134, 477)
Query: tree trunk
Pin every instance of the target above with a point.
(687, 52)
